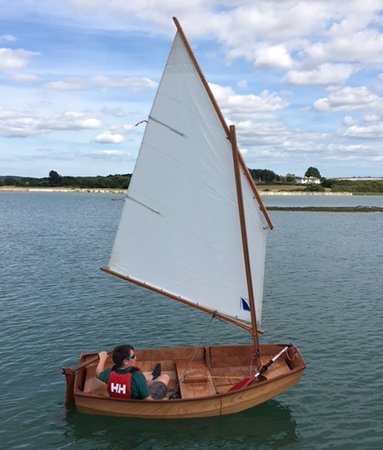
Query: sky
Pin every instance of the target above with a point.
(301, 80)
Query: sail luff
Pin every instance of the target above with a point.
(202, 77)
(181, 300)
(222, 120)
(246, 254)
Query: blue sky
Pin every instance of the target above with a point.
(301, 80)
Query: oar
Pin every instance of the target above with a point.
(250, 380)
(83, 364)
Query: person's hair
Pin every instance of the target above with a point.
(120, 353)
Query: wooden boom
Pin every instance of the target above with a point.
(180, 299)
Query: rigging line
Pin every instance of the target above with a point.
(195, 350)
(260, 330)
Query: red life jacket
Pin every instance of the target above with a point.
(120, 385)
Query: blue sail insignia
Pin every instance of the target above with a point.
(245, 305)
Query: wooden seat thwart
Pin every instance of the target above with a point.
(194, 379)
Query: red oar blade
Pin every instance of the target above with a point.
(242, 384)
(258, 376)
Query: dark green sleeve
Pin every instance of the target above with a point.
(139, 386)
(104, 375)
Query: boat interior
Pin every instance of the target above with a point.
(195, 372)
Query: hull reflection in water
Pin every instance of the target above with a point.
(270, 424)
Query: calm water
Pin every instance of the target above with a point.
(323, 291)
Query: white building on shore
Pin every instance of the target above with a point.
(308, 180)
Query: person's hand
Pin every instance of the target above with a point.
(102, 355)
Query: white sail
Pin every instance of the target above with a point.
(180, 228)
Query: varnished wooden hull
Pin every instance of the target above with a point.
(205, 392)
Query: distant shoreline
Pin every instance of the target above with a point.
(265, 193)
(123, 191)
(68, 190)
(340, 209)
(262, 192)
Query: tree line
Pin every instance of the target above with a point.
(269, 177)
(260, 176)
(54, 179)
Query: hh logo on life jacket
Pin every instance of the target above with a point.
(118, 388)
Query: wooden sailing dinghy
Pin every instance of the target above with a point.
(193, 228)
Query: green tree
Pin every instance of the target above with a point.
(312, 172)
(54, 178)
(290, 178)
(314, 188)
(327, 182)
(264, 175)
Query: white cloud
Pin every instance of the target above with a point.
(274, 56)
(11, 60)
(366, 131)
(109, 156)
(7, 38)
(371, 118)
(108, 137)
(347, 148)
(115, 112)
(24, 124)
(129, 127)
(239, 107)
(323, 74)
(348, 121)
(267, 34)
(13, 124)
(369, 127)
(242, 84)
(362, 47)
(134, 84)
(23, 78)
(114, 153)
(71, 120)
(349, 99)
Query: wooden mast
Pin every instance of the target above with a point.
(246, 254)
(238, 162)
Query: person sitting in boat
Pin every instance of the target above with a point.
(125, 380)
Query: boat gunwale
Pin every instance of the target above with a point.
(77, 391)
